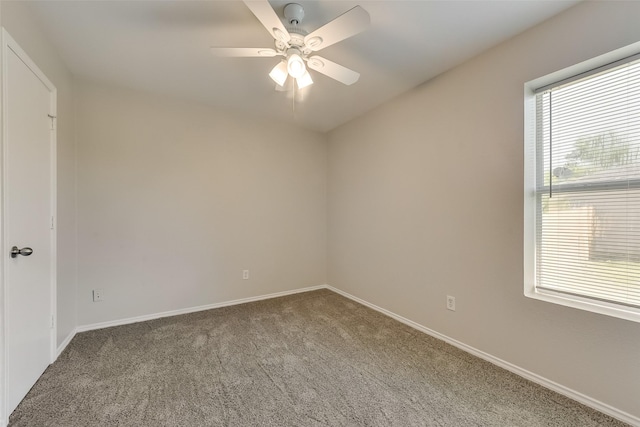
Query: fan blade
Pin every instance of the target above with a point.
(344, 26)
(243, 52)
(333, 70)
(268, 17)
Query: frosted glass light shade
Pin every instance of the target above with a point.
(295, 66)
(304, 80)
(279, 73)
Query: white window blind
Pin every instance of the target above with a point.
(588, 186)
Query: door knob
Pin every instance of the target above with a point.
(24, 251)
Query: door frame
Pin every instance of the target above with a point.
(9, 44)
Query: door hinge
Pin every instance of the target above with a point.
(52, 322)
(52, 223)
(52, 121)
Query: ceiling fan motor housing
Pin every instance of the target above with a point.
(296, 43)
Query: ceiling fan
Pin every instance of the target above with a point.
(298, 47)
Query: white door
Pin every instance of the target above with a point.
(28, 184)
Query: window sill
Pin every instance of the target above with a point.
(594, 306)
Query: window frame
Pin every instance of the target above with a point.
(530, 188)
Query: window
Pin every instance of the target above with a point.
(582, 187)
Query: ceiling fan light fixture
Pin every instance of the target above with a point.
(279, 73)
(304, 80)
(295, 66)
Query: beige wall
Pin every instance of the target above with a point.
(425, 200)
(176, 199)
(18, 21)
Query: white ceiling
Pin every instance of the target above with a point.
(163, 47)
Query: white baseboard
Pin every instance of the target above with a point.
(65, 343)
(187, 310)
(559, 388)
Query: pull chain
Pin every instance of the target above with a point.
(293, 99)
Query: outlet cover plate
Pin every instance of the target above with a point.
(98, 295)
(451, 303)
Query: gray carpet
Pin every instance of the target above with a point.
(311, 359)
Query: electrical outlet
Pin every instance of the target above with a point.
(98, 295)
(245, 274)
(451, 303)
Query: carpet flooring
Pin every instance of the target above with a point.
(310, 359)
